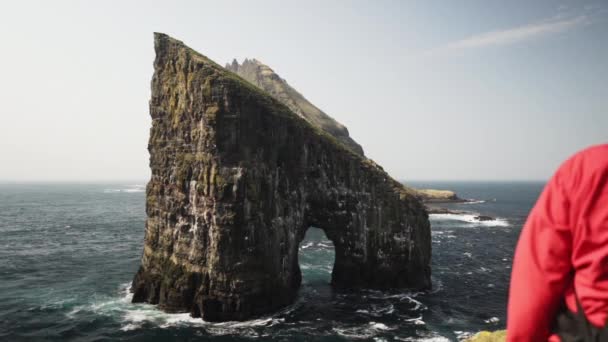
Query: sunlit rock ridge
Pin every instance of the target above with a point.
(266, 79)
(238, 178)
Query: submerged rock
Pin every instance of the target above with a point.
(237, 179)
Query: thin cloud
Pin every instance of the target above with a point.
(516, 34)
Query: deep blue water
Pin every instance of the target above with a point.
(69, 251)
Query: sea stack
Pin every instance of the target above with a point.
(238, 178)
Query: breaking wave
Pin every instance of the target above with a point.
(470, 220)
(137, 316)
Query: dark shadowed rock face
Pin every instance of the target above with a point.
(266, 79)
(237, 179)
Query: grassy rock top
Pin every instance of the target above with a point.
(486, 336)
(437, 195)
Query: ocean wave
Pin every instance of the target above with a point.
(432, 338)
(142, 316)
(416, 320)
(377, 310)
(492, 320)
(356, 332)
(474, 201)
(379, 326)
(136, 316)
(306, 245)
(321, 245)
(463, 335)
(470, 219)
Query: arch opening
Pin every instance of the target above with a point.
(316, 258)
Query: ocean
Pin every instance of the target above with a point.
(68, 253)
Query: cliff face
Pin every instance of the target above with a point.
(237, 179)
(266, 79)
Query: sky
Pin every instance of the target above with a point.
(432, 90)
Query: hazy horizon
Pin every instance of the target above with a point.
(467, 91)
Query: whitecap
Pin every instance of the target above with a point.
(473, 201)
(416, 320)
(492, 320)
(434, 338)
(463, 335)
(306, 245)
(355, 332)
(379, 326)
(129, 327)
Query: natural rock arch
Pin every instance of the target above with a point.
(237, 178)
(315, 255)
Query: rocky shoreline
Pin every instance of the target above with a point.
(432, 197)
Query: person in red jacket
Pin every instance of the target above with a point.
(559, 280)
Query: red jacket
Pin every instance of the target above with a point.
(563, 247)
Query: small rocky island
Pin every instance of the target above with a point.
(237, 179)
(438, 196)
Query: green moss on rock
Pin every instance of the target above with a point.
(487, 336)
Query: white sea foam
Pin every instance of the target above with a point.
(492, 320)
(416, 320)
(306, 245)
(359, 332)
(474, 201)
(435, 338)
(463, 335)
(379, 326)
(135, 316)
(140, 316)
(470, 220)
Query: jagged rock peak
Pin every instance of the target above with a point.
(238, 178)
(262, 76)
